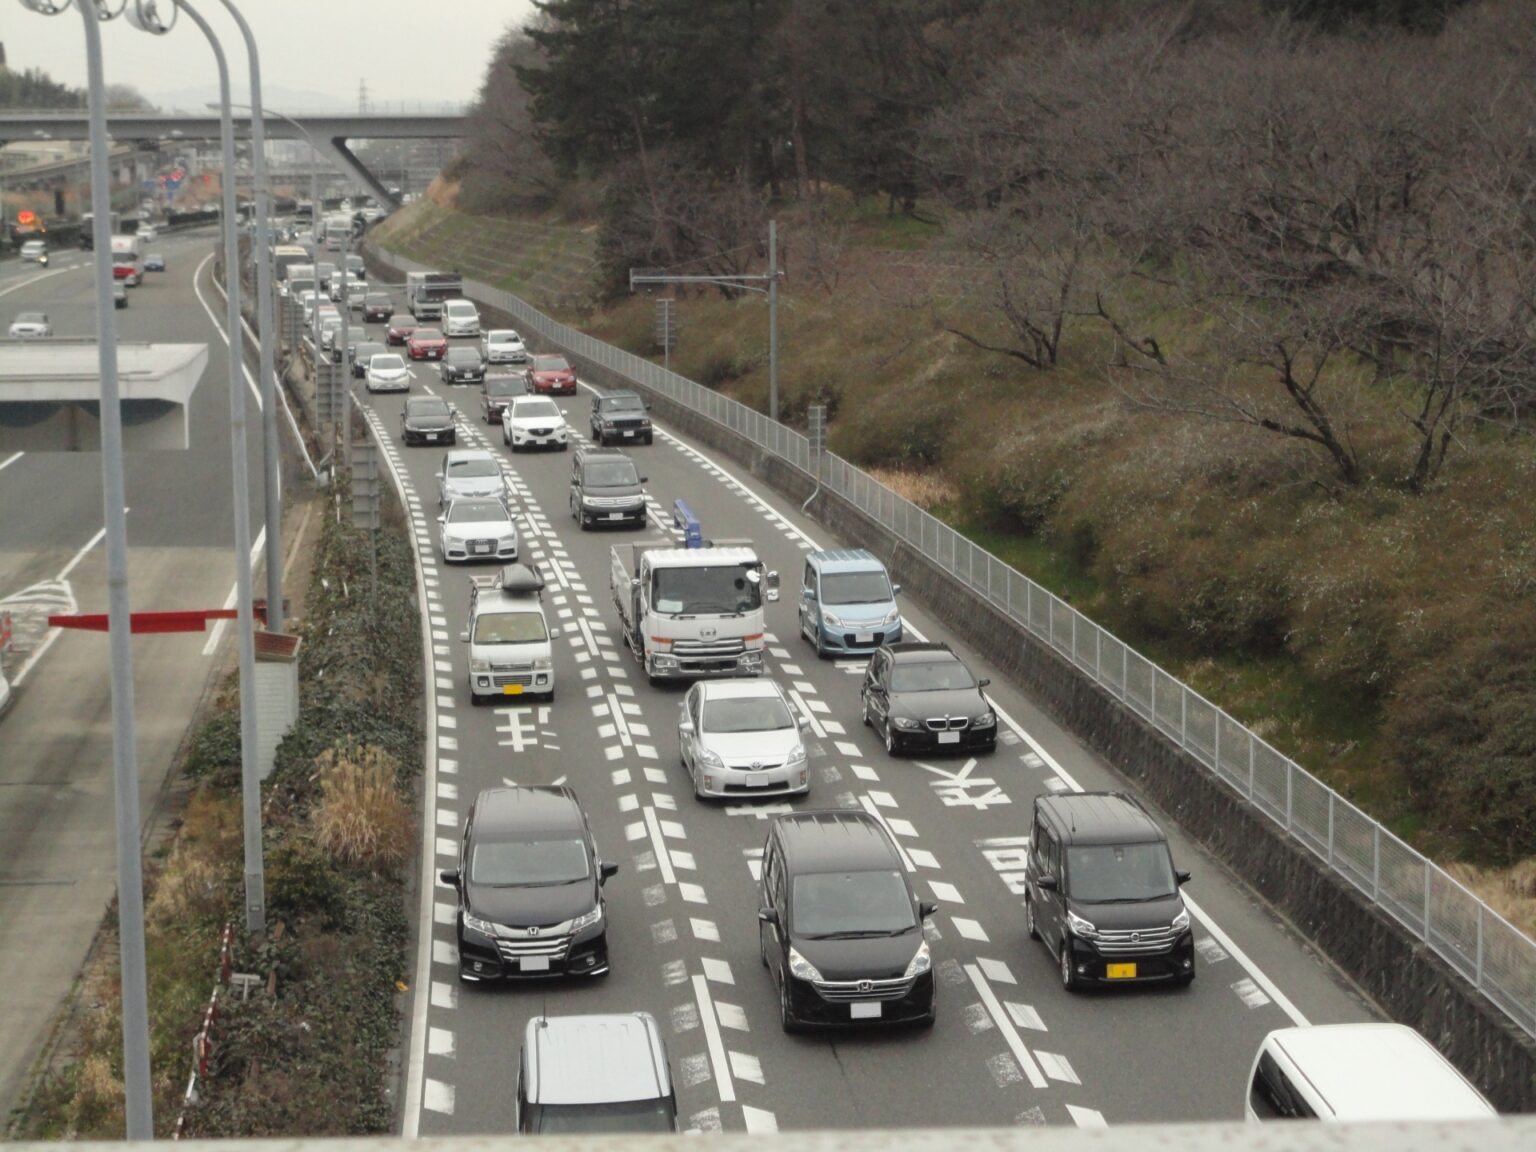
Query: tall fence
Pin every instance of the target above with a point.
(1491, 953)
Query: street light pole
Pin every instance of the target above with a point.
(255, 881)
(272, 489)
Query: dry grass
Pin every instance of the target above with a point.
(927, 488)
(361, 818)
(1511, 892)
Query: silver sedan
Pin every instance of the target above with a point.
(477, 528)
(742, 738)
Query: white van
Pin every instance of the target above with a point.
(1349, 1072)
(511, 653)
(460, 318)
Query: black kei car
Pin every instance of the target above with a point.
(427, 420)
(1101, 891)
(530, 887)
(839, 928)
(922, 698)
(462, 364)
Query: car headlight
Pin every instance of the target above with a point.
(796, 755)
(905, 724)
(922, 961)
(710, 759)
(1181, 921)
(986, 720)
(587, 919)
(831, 621)
(1081, 927)
(475, 924)
(801, 968)
(891, 617)
(507, 541)
(542, 664)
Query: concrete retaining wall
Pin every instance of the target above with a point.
(1410, 983)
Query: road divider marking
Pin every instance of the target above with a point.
(1004, 1024)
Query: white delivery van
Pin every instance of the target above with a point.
(1349, 1072)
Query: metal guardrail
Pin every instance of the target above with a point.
(1494, 955)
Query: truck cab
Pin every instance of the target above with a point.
(511, 650)
(600, 1073)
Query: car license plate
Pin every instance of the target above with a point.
(757, 779)
(629, 431)
(864, 1010)
(534, 964)
(431, 435)
(1120, 971)
(949, 737)
(617, 515)
(483, 549)
(512, 690)
(863, 637)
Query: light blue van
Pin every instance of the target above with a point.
(848, 603)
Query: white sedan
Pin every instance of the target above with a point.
(741, 738)
(388, 372)
(534, 422)
(477, 528)
(503, 346)
(30, 324)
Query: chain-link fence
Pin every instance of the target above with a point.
(1474, 939)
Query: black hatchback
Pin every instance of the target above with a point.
(462, 364)
(839, 928)
(530, 887)
(922, 698)
(427, 420)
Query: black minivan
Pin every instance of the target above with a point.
(530, 887)
(1102, 892)
(839, 927)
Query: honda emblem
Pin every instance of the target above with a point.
(866, 985)
(534, 931)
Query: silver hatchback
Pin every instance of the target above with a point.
(742, 738)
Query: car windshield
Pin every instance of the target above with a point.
(726, 589)
(505, 386)
(463, 356)
(428, 334)
(518, 862)
(823, 905)
(31, 318)
(375, 299)
(623, 404)
(1120, 873)
(427, 409)
(611, 473)
(624, 1116)
(550, 364)
(476, 511)
(855, 588)
(461, 309)
(369, 349)
(510, 628)
(402, 321)
(386, 363)
(504, 336)
(537, 410)
(747, 714)
(473, 466)
(931, 676)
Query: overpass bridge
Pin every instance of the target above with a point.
(329, 133)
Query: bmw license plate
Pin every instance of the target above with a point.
(864, 1010)
(512, 690)
(949, 737)
(1120, 971)
(534, 964)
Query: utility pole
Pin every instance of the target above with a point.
(747, 282)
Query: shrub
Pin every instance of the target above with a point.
(361, 818)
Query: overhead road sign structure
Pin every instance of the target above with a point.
(50, 395)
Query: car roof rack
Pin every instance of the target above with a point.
(512, 580)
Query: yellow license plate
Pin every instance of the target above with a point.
(1120, 971)
(517, 690)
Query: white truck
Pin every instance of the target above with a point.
(692, 612)
(425, 292)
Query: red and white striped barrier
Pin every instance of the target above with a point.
(202, 1043)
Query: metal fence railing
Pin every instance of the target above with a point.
(1485, 948)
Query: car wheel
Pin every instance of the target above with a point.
(1029, 918)
(890, 739)
(648, 439)
(864, 711)
(762, 948)
(563, 446)
(1068, 976)
(787, 1019)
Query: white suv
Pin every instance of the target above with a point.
(460, 318)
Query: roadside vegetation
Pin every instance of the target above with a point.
(1214, 317)
(308, 1053)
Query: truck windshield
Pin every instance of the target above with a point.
(625, 1116)
(727, 589)
(855, 588)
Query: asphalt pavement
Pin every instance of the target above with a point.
(1010, 1047)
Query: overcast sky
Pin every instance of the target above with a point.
(314, 53)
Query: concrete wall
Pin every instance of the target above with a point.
(1411, 984)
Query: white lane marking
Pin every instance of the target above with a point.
(440, 1042)
(27, 283)
(1057, 1067)
(810, 717)
(1025, 1016)
(946, 891)
(1087, 1117)
(216, 633)
(437, 1096)
(1005, 1026)
(444, 995)
(759, 1120)
(1250, 993)
(712, 1039)
(663, 857)
(8, 461)
(970, 929)
(746, 1067)
(869, 806)
(62, 578)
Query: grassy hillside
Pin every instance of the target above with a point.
(1372, 635)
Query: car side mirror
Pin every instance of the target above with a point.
(1047, 882)
(802, 722)
(449, 876)
(645, 479)
(1182, 875)
(926, 908)
(463, 637)
(895, 589)
(606, 870)
(810, 593)
(984, 681)
(768, 915)
(685, 727)
(442, 519)
(555, 632)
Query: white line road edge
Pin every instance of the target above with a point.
(9, 460)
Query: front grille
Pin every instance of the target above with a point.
(844, 991)
(749, 766)
(553, 947)
(628, 423)
(486, 547)
(708, 649)
(504, 681)
(942, 723)
(1147, 942)
(611, 501)
(540, 431)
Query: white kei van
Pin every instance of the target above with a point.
(1349, 1072)
(510, 649)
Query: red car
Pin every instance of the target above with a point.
(399, 328)
(426, 344)
(551, 374)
